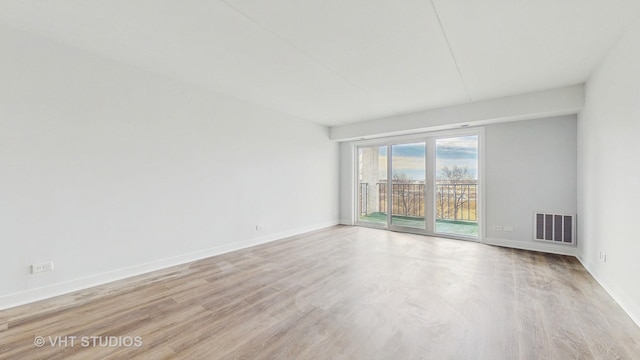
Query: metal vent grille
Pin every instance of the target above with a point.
(555, 228)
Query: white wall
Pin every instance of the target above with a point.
(111, 171)
(529, 166)
(609, 173)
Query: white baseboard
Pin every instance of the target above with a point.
(346, 222)
(533, 246)
(46, 292)
(632, 311)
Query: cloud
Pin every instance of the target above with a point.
(411, 166)
(465, 147)
(409, 150)
(460, 151)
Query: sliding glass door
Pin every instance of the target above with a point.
(408, 179)
(426, 185)
(456, 191)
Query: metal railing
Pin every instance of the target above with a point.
(407, 199)
(455, 200)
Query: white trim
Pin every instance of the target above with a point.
(430, 187)
(419, 136)
(533, 246)
(353, 195)
(46, 292)
(481, 204)
(389, 185)
(630, 310)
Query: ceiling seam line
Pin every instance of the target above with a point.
(453, 56)
(307, 55)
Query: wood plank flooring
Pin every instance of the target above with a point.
(338, 293)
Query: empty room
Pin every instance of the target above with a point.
(232, 179)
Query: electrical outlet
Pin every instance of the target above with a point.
(259, 227)
(508, 228)
(496, 228)
(42, 267)
(605, 257)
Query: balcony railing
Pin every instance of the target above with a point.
(407, 199)
(455, 200)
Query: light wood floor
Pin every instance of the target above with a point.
(341, 293)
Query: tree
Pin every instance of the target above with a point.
(455, 177)
(456, 174)
(404, 190)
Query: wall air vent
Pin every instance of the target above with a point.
(554, 228)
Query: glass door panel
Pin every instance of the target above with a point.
(456, 194)
(372, 189)
(407, 193)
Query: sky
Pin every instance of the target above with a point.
(410, 158)
(460, 151)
